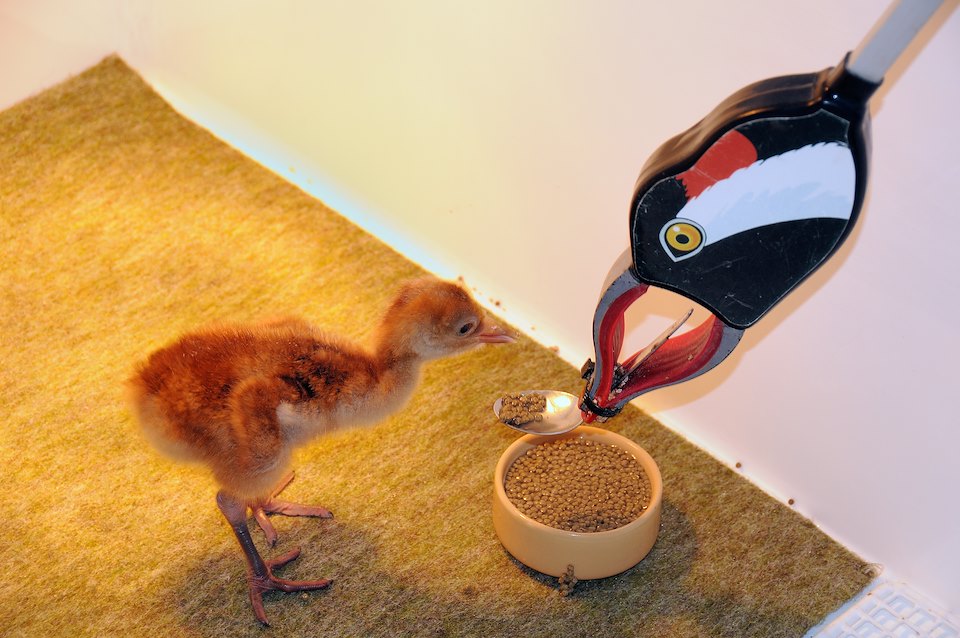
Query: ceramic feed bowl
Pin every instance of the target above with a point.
(593, 554)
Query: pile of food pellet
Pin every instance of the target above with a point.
(517, 409)
(578, 485)
(567, 581)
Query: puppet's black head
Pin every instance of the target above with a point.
(757, 212)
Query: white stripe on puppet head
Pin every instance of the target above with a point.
(810, 182)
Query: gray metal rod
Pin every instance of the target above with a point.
(890, 36)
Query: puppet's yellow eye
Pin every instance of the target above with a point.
(681, 238)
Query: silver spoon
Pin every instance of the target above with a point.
(561, 415)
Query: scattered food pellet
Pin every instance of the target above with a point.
(578, 485)
(517, 409)
(790, 501)
(567, 581)
(872, 569)
(739, 465)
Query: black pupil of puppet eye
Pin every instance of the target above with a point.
(683, 239)
(465, 328)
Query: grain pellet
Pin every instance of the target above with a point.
(517, 409)
(578, 485)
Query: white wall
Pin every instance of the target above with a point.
(500, 140)
(44, 41)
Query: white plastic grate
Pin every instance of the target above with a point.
(888, 610)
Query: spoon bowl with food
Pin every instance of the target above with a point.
(543, 412)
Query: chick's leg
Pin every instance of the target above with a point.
(275, 506)
(260, 576)
(260, 444)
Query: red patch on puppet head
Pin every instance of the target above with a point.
(729, 154)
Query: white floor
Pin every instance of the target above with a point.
(888, 609)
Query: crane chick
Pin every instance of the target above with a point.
(241, 398)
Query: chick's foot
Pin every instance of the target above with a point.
(276, 506)
(261, 583)
(260, 576)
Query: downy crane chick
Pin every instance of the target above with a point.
(240, 399)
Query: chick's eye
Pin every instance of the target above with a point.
(466, 328)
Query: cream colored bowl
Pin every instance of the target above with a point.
(593, 555)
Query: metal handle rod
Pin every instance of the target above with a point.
(890, 36)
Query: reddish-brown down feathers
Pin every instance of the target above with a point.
(240, 398)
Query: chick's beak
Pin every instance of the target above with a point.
(489, 333)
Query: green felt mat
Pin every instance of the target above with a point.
(122, 224)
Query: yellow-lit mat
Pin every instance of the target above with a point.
(123, 224)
